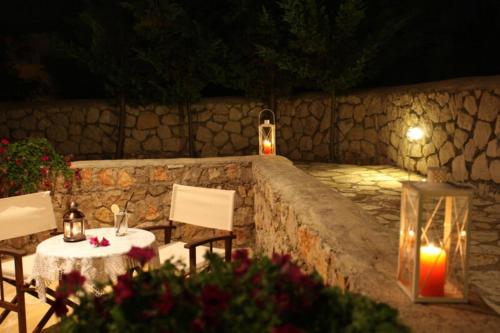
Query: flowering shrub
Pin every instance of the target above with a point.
(259, 295)
(29, 165)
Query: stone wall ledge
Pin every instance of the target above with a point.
(172, 162)
(333, 235)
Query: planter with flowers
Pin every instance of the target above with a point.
(247, 295)
(31, 165)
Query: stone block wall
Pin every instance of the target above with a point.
(460, 117)
(461, 121)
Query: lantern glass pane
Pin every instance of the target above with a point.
(408, 234)
(443, 235)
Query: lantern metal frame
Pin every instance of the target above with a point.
(70, 219)
(448, 193)
(267, 132)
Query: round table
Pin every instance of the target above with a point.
(55, 257)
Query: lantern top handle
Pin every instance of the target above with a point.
(263, 113)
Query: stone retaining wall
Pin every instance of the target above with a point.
(326, 232)
(460, 117)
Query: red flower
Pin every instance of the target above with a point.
(143, 255)
(18, 162)
(70, 283)
(44, 171)
(123, 288)
(94, 241)
(67, 185)
(280, 259)
(287, 328)
(282, 302)
(44, 158)
(60, 304)
(241, 261)
(166, 301)
(5, 141)
(104, 242)
(78, 175)
(214, 300)
(2, 150)
(198, 325)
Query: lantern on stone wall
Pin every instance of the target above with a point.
(73, 224)
(267, 132)
(434, 241)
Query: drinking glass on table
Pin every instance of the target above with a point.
(121, 223)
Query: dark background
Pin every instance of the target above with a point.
(441, 40)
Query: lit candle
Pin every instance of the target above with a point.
(77, 229)
(67, 230)
(432, 271)
(267, 147)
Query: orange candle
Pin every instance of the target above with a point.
(432, 271)
(267, 147)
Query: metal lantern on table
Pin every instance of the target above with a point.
(434, 241)
(267, 132)
(74, 224)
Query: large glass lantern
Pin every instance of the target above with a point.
(267, 132)
(73, 224)
(434, 242)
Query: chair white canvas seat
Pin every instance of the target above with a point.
(179, 255)
(203, 207)
(9, 270)
(22, 215)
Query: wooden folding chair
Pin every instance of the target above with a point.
(203, 207)
(22, 216)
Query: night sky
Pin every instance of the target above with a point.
(441, 40)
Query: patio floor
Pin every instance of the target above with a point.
(377, 189)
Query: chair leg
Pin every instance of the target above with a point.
(39, 327)
(6, 312)
(192, 260)
(21, 313)
(229, 248)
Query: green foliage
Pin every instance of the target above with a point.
(260, 295)
(29, 165)
(327, 46)
(179, 49)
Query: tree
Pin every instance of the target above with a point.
(328, 46)
(103, 41)
(181, 51)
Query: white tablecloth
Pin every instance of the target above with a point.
(54, 257)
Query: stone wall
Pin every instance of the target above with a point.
(326, 232)
(460, 117)
(104, 183)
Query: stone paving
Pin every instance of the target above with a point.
(377, 189)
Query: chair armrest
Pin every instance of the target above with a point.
(167, 230)
(228, 243)
(198, 242)
(159, 227)
(12, 252)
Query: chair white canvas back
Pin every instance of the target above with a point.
(25, 215)
(204, 207)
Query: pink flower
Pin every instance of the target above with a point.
(104, 242)
(123, 288)
(166, 301)
(5, 141)
(44, 158)
(143, 255)
(94, 241)
(214, 300)
(2, 150)
(18, 162)
(241, 262)
(44, 171)
(60, 304)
